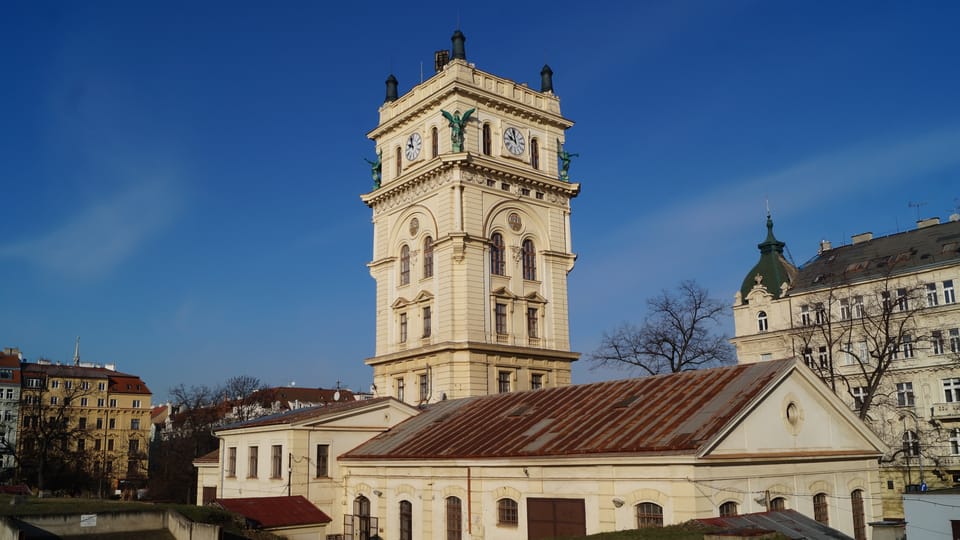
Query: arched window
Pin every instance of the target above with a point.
(507, 512)
(859, 520)
(427, 257)
(405, 265)
(820, 512)
(911, 444)
(406, 521)
(535, 153)
(762, 321)
(399, 163)
(778, 503)
(434, 143)
(529, 260)
(497, 261)
(361, 516)
(486, 139)
(649, 515)
(454, 519)
(728, 509)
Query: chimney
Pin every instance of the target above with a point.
(825, 245)
(862, 237)
(929, 222)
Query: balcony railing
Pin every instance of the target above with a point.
(946, 411)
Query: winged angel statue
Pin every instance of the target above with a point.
(457, 125)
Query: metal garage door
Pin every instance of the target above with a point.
(549, 518)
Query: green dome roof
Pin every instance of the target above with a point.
(772, 268)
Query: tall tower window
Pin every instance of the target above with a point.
(486, 139)
(500, 318)
(424, 386)
(454, 518)
(400, 388)
(403, 328)
(426, 322)
(529, 260)
(762, 321)
(406, 520)
(535, 153)
(497, 262)
(434, 143)
(399, 163)
(405, 265)
(532, 323)
(428, 257)
(503, 381)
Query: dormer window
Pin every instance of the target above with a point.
(762, 321)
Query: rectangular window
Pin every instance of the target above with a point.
(858, 307)
(68, 384)
(907, 345)
(424, 384)
(821, 313)
(845, 313)
(323, 460)
(133, 446)
(232, 461)
(903, 303)
(9, 393)
(931, 294)
(81, 445)
(805, 315)
(112, 423)
(859, 396)
(276, 461)
(83, 402)
(400, 388)
(101, 386)
(823, 357)
(949, 297)
(427, 323)
(936, 342)
(885, 301)
(99, 423)
(54, 384)
(951, 390)
(113, 403)
(134, 423)
(864, 354)
(136, 404)
(96, 444)
(500, 318)
(54, 400)
(532, 322)
(905, 394)
(403, 328)
(955, 441)
(252, 458)
(110, 445)
(536, 381)
(82, 422)
(85, 385)
(34, 383)
(808, 358)
(954, 334)
(503, 381)
(100, 402)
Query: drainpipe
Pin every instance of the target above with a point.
(469, 504)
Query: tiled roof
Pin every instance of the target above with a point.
(212, 457)
(127, 384)
(789, 523)
(307, 413)
(286, 394)
(270, 512)
(665, 414)
(909, 251)
(9, 361)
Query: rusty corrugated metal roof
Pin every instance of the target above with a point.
(665, 414)
(271, 512)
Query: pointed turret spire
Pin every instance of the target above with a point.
(458, 40)
(772, 271)
(391, 89)
(76, 352)
(546, 79)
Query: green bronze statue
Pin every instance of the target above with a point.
(376, 169)
(564, 158)
(457, 125)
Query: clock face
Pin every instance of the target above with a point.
(513, 140)
(412, 150)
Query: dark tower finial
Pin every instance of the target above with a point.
(546, 79)
(391, 89)
(458, 40)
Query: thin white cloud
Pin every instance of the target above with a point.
(100, 237)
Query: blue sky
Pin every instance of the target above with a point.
(180, 180)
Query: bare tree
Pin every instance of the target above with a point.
(679, 333)
(241, 395)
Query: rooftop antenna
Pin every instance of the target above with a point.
(421, 72)
(76, 352)
(916, 205)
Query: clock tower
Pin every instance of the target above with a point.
(471, 236)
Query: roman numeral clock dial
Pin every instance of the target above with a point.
(513, 140)
(412, 149)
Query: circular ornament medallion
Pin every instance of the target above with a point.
(514, 220)
(414, 226)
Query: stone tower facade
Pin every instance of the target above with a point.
(471, 236)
